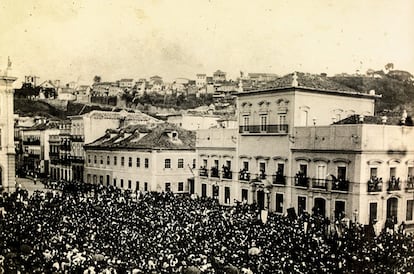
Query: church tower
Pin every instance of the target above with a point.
(7, 149)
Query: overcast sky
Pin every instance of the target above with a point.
(75, 40)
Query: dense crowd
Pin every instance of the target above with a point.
(107, 230)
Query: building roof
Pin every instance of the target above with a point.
(43, 126)
(128, 116)
(146, 137)
(374, 120)
(306, 81)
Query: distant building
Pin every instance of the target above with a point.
(160, 158)
(191, 121)
(60, 152)
(90, 126)
(35, 142)
(219, 76)
(31, 79)
(201, 80)
(262, 77)
(126, 83)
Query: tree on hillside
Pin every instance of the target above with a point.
(370, 72)
(97, 79)
(389, 67)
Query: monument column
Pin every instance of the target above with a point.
(7, 148)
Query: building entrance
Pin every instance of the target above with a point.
(260, 199)
(392, 209)
(319, 207)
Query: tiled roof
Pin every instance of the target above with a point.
(146, 137)
(44, 126)
(306, 80)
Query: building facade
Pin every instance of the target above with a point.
(293, 150)
(90, 126)
(35, 143)
(154, 158)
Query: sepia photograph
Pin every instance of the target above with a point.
(206, 136)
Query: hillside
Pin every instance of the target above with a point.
(396, 94)
(27, 107)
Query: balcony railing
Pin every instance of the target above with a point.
(319, 183)
(394, 184)
(65, 147)
(31, 142)
(375, 185)
(278, 179)
(301, 181)
(77, 159)
(226, 173)
(277, 129)
(244, 175)
(203, 172)
(214, 172)
(77, 138)
(340, 185)
(410, 183)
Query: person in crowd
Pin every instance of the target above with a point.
(83, 228)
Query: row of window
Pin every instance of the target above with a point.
(392, 210)
(263, 118)
(93, 179)
(129, 184)
(115, 161)
(392, 172)
(180, 163)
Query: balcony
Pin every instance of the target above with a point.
(375, 185)
(319, 183)
(77, 159)
(410, 183)
(203, 172)
(394, 184)
(32, 142)
(264, 129)
(65, 161)
(340, 185)
(65, 147)
(214, 172)
(77, 138)
(244, 175)
(301, 181)
(278, 179)
(226, 173)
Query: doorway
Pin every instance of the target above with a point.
(319, 207)
(260, 199)
(392, 209)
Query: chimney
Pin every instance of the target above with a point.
(361, 118)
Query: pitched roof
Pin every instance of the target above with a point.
(307, 80)
(146, 137)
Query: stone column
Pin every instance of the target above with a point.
(7, 148)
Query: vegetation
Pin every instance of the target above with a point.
(395, 86)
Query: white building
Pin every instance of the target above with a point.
(156, 158)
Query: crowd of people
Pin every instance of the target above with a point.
(106, 230)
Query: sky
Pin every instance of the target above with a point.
(76, 40)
